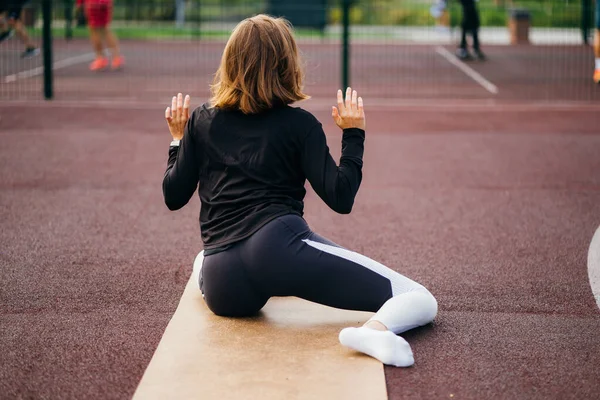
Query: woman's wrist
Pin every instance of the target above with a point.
(353, 127)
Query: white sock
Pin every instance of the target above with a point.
(382, 345)
(597, 62)
(197, 267)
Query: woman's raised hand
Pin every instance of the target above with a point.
(177, 115)
(349, 113)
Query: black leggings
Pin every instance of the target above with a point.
(470, 23)
(285, 258)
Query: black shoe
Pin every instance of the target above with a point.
(463, 54)
(30, 52)
(479, 54)
(5, 35)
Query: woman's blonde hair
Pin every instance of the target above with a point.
(260, 67)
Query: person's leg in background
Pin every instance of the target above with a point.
(475, 33)
(462, 52)
(99, 14)
(470, 25)
(101, 62)
(15, 23)
(118, 61)
(94, 12)
(5, 31)
(597, 44)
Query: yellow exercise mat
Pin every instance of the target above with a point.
(290, 351)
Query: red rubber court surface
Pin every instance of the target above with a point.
(492, 209)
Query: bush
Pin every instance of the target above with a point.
(545, 13)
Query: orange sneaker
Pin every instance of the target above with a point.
(99, 64)
(597, 76)
(118, 62)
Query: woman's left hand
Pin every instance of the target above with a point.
(177, 115)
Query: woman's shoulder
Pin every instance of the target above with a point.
(204, 111)
(296, 116)
(202, 116)
(300, 115)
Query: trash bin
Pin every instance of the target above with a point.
(518, 25)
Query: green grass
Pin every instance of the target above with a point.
(544, 13)
(162, 32)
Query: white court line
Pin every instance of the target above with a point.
(67, 62)
(594, 265)
(470, 72)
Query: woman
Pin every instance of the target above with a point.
(99, 16)
(251, 153)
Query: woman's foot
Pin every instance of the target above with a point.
(385, 346)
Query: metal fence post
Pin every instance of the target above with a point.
(68, 9)
(345, 44)
(47, 41)
(585, 19)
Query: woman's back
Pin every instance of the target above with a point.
(250, 169)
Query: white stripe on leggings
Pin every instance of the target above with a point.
(400, 283)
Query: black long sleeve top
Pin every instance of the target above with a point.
(250, 169)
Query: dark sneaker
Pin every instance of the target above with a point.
(479, 54)
(6, 34)
(463, 54)
(30, 52)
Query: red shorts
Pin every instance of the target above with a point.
(98, 13)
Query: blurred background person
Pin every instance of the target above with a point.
(10, 20)
(470, 25)
(439, 11)
(99, 14)
(597, 44)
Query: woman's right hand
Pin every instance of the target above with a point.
(349, 113)
(177, 115)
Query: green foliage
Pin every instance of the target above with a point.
(544, 13)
